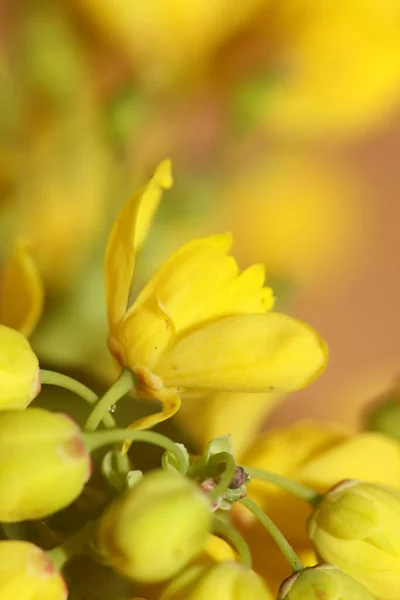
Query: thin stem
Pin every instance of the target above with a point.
(124, 383)
(223, 529)
(274, 532)
(293, 487)
(68, 383)
(73, 546)
(226, 476)
(98, 439)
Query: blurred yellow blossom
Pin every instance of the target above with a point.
(21, 290)
(317, 455)
(297, 214)
(61, 205)
(239, 414)
(336, 66)
(199, 324)
(169, 38)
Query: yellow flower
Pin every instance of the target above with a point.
(199, 324)
(337, 66)
(26, 572)
(170, 38)
(19, 370)
(21, 291)
(356, 526)
(317, 455)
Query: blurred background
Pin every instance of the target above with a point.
(282, 120)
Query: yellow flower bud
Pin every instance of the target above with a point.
(43, 463)
(19, 370)
(356, 526)
(155, 529)
(27, 573)
(226, 581)
(322, 581)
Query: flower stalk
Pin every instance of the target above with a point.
(289, 485)
(275, 533)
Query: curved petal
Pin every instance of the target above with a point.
(254, 353)
(200, 281)
(127, 236)
(21, 291)
(170, 405)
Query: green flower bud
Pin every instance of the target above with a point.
(43, 463)
(322, 581)
(27, 573)
(356, 527)
(156, 528)
(225, 581)
(19, 370)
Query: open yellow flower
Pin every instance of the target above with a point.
(199, 323)
(317, 455)
(21, 290)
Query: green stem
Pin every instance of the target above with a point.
(71, 547)
(68, 383)
(124, 383)
(293, 487)
(226, 476)
(223, 529)
(98, 439)
(274, 532)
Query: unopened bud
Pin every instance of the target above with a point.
(26, 572)
(19, 370)
(322, 581)
(356, 527)
(43, 463)
(155, 529)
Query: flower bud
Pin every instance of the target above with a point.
(356, 527)
(19, 370)
(43, 463)
(226, 581)
(26, 572)
(155, 529)
(322, 581)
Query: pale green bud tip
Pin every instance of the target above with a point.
(27, 572)
(225, 581)
(155, 529)
(19, 370)
(43, 463)
(322, 581)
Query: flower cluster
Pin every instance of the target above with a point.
(184, 528)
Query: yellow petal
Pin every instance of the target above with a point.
(366, 456)
(129, 232)
(199, 281)
(142, 335)
(252, 353)
(170, 405)
(239, 414)
(21, 291)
